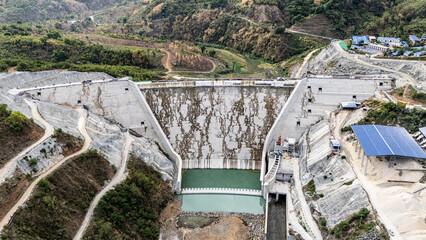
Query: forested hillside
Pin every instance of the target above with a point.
(256, 27)
(39, 10)
(32, 49)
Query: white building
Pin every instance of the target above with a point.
(372, 39)
(377, 47)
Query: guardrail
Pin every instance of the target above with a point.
(236, 191)
(218, 83)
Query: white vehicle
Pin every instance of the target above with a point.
(391, 233)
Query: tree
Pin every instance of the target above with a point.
(54, 34)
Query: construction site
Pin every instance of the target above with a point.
(246, 158)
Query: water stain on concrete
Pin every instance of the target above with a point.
(217, 127)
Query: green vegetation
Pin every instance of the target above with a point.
(310, 188)
(412, 93)
(393, 115)
(17, 132)
(69, 143)
(15, 121)
(355, 226)
(57, 207)
(33, 161)
(37, 11)
(51, 51)
(132, 208)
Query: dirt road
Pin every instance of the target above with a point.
(118, 178)
(48, 131)
(306, 60)
(308, 34)
(87, 141)
(354, 58)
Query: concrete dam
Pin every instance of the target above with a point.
(217, 127)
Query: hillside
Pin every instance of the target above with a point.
(41, 10)
(58, 205)
(17, 133)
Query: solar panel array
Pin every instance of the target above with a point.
(377, 140)
(423, 131)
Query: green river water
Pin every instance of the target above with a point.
(222, 203)
(221, 178)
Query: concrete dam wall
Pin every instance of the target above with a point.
(217, 127)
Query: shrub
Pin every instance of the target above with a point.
(70, 144)
(44, 185)
(4, 112)
(33, 161)
(3, 66)
(16, 122)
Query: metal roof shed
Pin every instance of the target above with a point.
(378, 140)
(349, 105)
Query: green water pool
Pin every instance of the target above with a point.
(222, 203)
(221, 178)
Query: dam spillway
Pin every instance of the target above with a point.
(217, 127)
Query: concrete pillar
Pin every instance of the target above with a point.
(360, 150)
(366, 165)
(356, 147)
(362, 162)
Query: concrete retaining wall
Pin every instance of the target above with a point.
(119, 101)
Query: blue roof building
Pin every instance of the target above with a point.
(357, 39)
(414, 38)
(377, 140)
(394, 54)
(407, 53)
(418, 54)
(404, 43)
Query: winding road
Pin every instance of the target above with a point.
(354, 58)
(48, 131)
(308, 34)
(306, 60)
(118, 178)
(87, 141)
